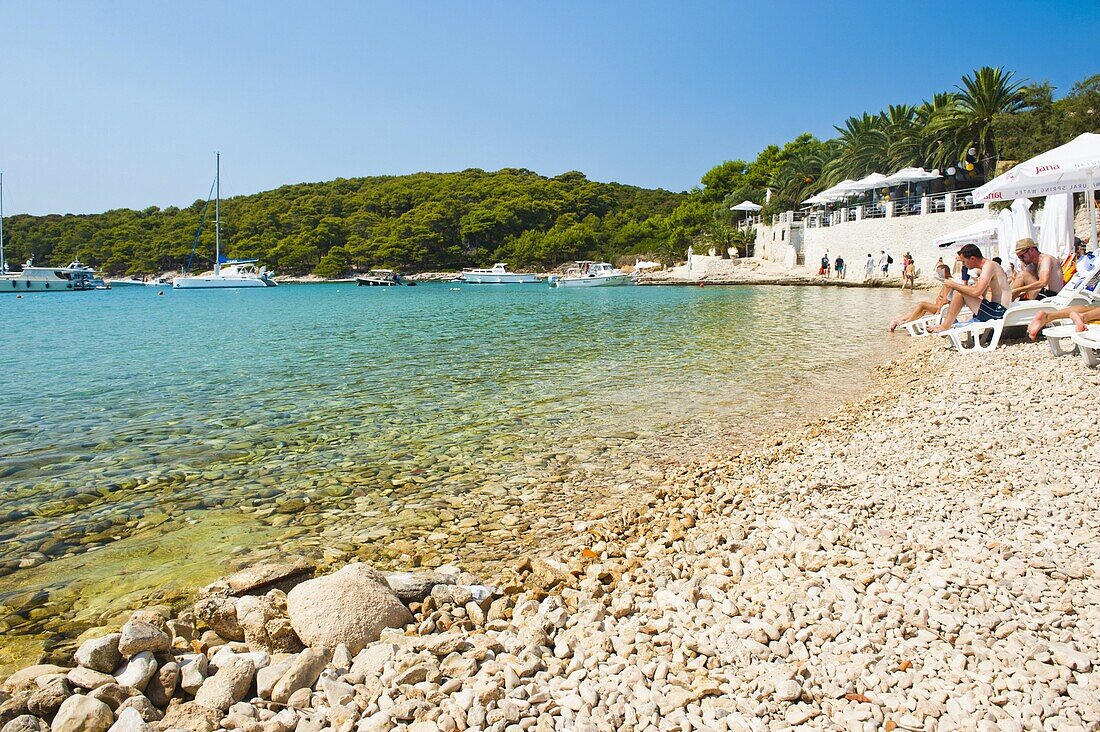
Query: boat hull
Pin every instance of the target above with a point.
(608, 281)
(18, 285)
(500, 279)
(209, 283)
(367, 282)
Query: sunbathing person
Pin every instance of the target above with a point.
(992, 279)
(924, 307)
(1081, 315)
(1041, 275)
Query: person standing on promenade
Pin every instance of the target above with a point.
(992, 278)
(869, 268)
(839, 267)
(884, 263)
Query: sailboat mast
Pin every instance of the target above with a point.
(217, 214)
(3, 265)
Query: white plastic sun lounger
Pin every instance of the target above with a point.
(1059, 334)
(986, 336)
(1088, 345)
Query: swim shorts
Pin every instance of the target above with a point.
(1044, 294)
(989, 310)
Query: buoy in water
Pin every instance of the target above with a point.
(160, 294)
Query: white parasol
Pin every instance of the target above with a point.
(1069, 168)
(1056, 230)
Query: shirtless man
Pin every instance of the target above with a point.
(992, 278)
(1041, 275)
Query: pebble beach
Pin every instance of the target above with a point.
(921, 559)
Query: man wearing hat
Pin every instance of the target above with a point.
(1040, 275)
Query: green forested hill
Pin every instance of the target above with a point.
(413, 222)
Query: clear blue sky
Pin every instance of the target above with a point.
(122, 104)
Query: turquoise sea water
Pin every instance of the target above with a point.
(149, 439)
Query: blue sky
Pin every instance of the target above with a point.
(122, 104)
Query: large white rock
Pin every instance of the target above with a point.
(129, 720)
(100, 654)
(137, 671)
(228, 686)
(81, 713)
(351, 606)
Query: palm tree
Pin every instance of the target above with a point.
(863, 143)
(801, 175)
(968, 123)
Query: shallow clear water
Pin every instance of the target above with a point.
(150, 438)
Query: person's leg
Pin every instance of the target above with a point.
(1079, 314)
(1024, 278)
(924, 307)
(953, 311)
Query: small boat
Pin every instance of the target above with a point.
(127, 282)
(228, 273)
(75, 277)
(498, 275)
(382, 278)
(591, 274)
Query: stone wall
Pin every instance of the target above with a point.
(853, 240)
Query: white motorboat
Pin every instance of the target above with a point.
(228, 273)
(591, 274)
(126, 282)
(498, 275)
(74, 277)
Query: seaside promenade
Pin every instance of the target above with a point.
(922, 559)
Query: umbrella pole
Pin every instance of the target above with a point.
(1092, 212)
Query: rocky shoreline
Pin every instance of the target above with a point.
(922, 559)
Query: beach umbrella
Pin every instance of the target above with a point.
(1023, 227)
(909, 175)
(982, 233)
(746, 206)
(1006, 237)
(1070, 168)
(868, 182)
(1056, 230)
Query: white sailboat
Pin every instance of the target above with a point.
(75, 277)
(227, 272)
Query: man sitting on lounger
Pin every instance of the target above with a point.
(992, 278)
(1041, 275)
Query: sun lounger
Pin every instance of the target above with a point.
(1088, 345)
(982, 337)
(1059, 334)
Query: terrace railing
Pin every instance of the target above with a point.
(893, 207)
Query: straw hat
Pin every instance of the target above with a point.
(1024, 244)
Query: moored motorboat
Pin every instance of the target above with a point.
(382, 278)
(591, 274)
(75, 277)
(498, 274)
